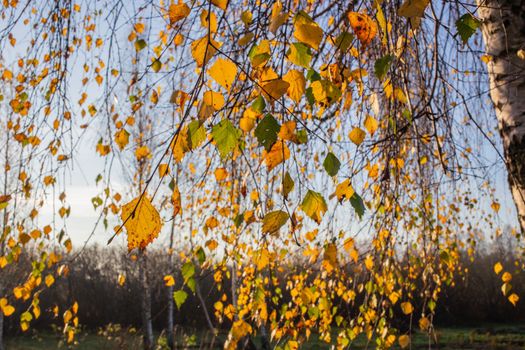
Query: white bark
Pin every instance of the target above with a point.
(503, 27)
(147, 330)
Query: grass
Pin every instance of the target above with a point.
(484, 337)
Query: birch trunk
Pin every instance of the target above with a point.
(1, 331)
(503, 27)
(169, 321)
(146, 304)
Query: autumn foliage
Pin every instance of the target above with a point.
(251, 135)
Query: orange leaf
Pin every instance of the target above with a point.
(363, 26)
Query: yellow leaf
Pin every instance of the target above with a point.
(325, 92)
(314, 205)
(495, 206)
(142, 152)
(363, 26)
(222, 4)
(394, 297)
(311, 235)
(246, 17)
(369, 262)
(7, 75)
(486, 58)
(278, 154)
(176, 201)
(413, 10)
(163, 170)
(505, 288)
(209, 21)
(139, 27)
(357, 136)
(220, 174)
(277, 18)
(223, 72)
(142, 222)
(179, 146)
(8, 310)
(514, 298)
(49, 180)
(371, 124)
(273, 221)
(3, 262)
(121, 279)
(213, 99)
(275, 89)
(330, 257)
(498, 268)
(344, 190)
(247, 122)
(407, 307)
(287, 131)
(245, 39)
(404, 341)
(506, 277)
(177, 12)
(309, 33)
(212, 244)
(212, 222)
(297, 84)
(179, 38)
(169, 280)
(424, 323)
(122, 138)
(68, 315)
(202, 50)
(49, 280)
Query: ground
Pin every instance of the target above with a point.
(483, 337)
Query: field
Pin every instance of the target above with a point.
(483, 337)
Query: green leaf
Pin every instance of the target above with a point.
(273, 221)
(310, 96)
(314, 205)
(259, 54)
(344, 41)
(156, 66)
(188, 271)
(358, 204)
(196, 134)
(201, 255)
(239, 219)
(299, 54)
(382, 66)
(226, 137)
(140, 44)
(312, 75)
(267, 131)
(258, 104)
(302, 136)
(467, 26)
(288, 184)
(331, 164)
(180, 297)
(191, 284)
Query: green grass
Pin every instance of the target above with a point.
(483, 337)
